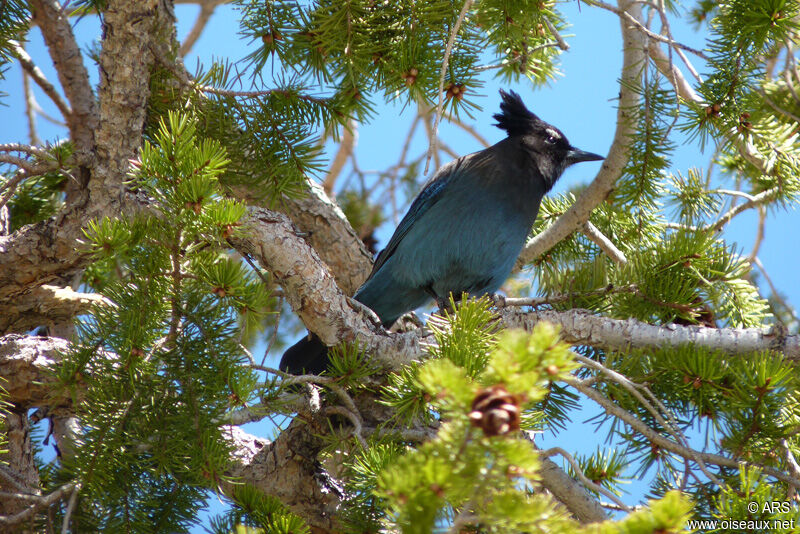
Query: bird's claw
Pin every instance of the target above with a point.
(408, 322)
(498, 300)
(365, 311)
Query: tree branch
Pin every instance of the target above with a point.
(598, 238)
(581, 327)
(38, 76)
(46, 306)
(312, 291)
(39, 502)
(667, 444)
(72, 73)
(313, 294)
(26, 364)
(342, 154)
(570, 492)
(287, 468)
(207, 9)
(445, 60)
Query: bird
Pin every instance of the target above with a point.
(465, 229)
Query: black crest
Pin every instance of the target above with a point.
(514, 117)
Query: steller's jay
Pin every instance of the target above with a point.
(465, 229)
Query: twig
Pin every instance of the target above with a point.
(354, 419)
(342, 154)
(562, 44)
(467, 128)
(274, 334)
(762, 219)
(9, 188)
(206, 11)
(735, 193)
(566, 297)
(517, 59)
(38, 76)
(670, 426)
(38, 503)
(775, 294)
(776, 107)
(431, 133)
(661, 442)
(28, 149)
(30, 108)
(644, 29)
(579, 473)
(11, 479)
(73, 500)
(618, 508)
(605, 244)
(445, 61)
(757, 200)
(793, 466)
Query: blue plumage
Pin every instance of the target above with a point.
(465, 229)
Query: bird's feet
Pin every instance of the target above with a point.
(407, 323)
(498, 300)
(442, 303)
(365, 311)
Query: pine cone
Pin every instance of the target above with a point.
(495, 411)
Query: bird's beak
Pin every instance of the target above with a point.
(576, 156)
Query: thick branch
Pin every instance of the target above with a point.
(633, 61)
(287, 468)
(45, 306)
(327, 230)
(132, 30)
(18, 471)
(581, 327)
(312, 291)
(570, 492)
(45, 252)
(26, 363)
(41, 253)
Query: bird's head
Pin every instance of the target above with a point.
(544, 143)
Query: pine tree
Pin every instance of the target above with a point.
(183, 219)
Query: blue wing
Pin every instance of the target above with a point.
(428, 197)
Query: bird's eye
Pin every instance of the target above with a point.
(550, 140)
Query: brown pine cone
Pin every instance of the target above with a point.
(495, 411)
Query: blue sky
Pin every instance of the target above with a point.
(581, 102)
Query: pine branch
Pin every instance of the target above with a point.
(582, 477)
(434, 137)
(666, 444)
